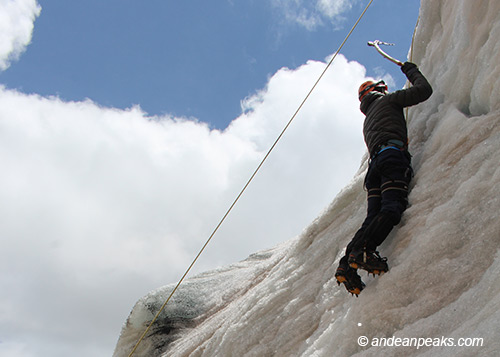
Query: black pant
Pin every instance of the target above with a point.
(387, 180)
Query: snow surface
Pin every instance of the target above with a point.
(444, 280)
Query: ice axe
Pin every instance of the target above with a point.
(376, 44)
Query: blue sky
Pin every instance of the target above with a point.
(101, 204)
(192, 58)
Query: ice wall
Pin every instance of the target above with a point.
(444, 280)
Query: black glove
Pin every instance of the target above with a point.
(409, 68)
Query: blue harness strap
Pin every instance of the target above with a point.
(384, 148)
(391, 144)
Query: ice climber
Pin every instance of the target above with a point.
(389, 172)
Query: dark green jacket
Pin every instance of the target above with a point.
(384, 112)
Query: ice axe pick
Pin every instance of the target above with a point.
(376, 44)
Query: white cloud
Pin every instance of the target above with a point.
(312, 14)
(380, 73)
(99, 206)
(333, 8)
(16, 27)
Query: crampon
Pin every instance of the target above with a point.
(370, 261)
(350, 278)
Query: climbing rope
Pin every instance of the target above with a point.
(413, 38)
(249, 181)
(411, 57)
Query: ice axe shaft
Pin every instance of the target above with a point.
(376, 44)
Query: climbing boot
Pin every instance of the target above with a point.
(350, 278)
(367, 260)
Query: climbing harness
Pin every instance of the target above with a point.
(248, 182)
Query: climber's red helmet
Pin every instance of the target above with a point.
(369, 86)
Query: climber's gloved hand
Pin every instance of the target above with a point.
(408, 68)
